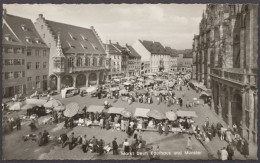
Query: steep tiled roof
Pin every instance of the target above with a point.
(154, 47)
(187, 53)
(111, 49)
(76, 39)
(24, 29)
(172, 52)
(132, 53)
(8, 33)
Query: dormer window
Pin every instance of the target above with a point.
(37, 40)
(7, 37)
(71, 46)
(84, 38)
(24, 27)
(83, 46)
(72, 37)
(28, 39)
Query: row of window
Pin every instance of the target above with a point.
(79, 62)
(44, 77)
(22, 50)
(9, 62)
(37, 65)
(13, 75)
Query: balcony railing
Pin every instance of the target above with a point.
(85, 69)
(235, 74)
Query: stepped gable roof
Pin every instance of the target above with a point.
(154, 47)
(132, 52)
(76, 39)
(25, 31)
(111, 49)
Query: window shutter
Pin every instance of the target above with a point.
(22, 61)
(6, 75)
(15, 75)
(23, 73)
(6, 62)
(15, 61)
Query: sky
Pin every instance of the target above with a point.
(173, 25)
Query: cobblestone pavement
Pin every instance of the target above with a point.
(171, 143)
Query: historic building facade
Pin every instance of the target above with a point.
(134, 62)
(116, 57)
(154, 53)
(25, 57)
(77, 55)
(226, 52)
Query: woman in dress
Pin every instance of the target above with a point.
(126, 147)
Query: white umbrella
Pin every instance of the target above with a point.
(16, 106)
(91, 89)
(52, 104)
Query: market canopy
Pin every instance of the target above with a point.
(52, 103)
(95, 108)
(142, 91)
(39, 102)
(171, 115)
(201, 86)
(123, 91)
(127, 83)
(16, 106)
(150, 74)
(114, 89)
(115, 110)
(126, 114)
(156, 114)
(59, 108)
(191, 114)
(71, 109)
(28, 106)
(91, 89)
(141, 112)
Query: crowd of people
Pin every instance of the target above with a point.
(94, 145)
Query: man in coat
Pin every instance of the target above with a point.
(94, 142)
(230, 151)
(115, 147)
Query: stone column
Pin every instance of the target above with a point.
(230, 94)
(58, 83)
(97, 78)
(75, 61)
(243, 125)
(242, 49)
(219, 101)
(251, 112)
(87, 75)
(256, 113)
(74, 80)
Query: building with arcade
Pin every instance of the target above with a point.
(226, 52)
(77, 55)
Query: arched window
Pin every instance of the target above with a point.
(70, 62)
(94, 61)
(101, 61)
(87, 61)
(79, 62)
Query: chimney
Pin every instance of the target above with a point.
(109, 41)
(41, 16)
(4, 12)
(117, 43)
(92, 27)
